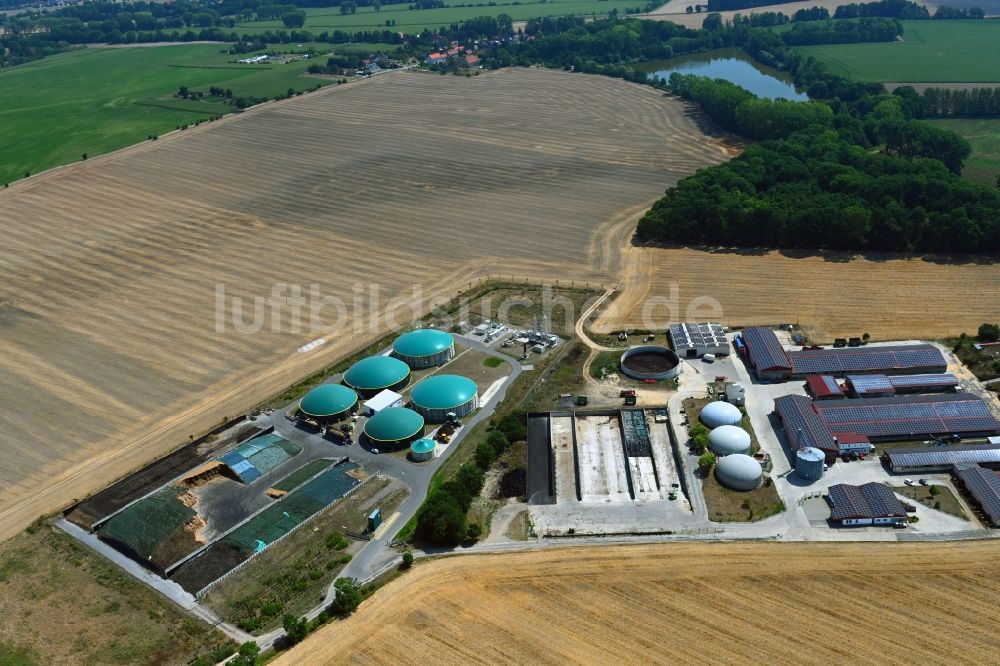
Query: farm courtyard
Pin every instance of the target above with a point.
(116, 311)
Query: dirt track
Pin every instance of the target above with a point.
(801, 603)
(839, 296)
(109, 276)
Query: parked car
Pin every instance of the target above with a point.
(908, 482)
(375, 451)
(861, 456)
(924, 482)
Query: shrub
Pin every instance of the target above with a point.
(706, 462)
(934, 490)
(988, 333)
(474, 532)
(407, 560)
(348, 596)
(485, 455)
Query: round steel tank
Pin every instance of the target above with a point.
(650, 362)
(809, 463)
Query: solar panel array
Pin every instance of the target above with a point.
(895, 358)
(698, 335)
(802, 426)
(938, 382)
(906, 416)
(984, 486)
(944, 456)
(869, 500)
(868, 384)
(764, 348)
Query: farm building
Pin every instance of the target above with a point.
(422, 449)
(983, 485)
(437, 396)
(739, 472)
(720, 413)
(870, 386)
(424, 348)
(383, 400)
(394, 428)
(823, 387)
(867, 504)
(941, 458)
(329, 403)
(734, 393)
(729, 439)
(374, 374)
(848, 425)
(696, 340)
(770, 361)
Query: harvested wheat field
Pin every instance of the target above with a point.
(675, 11)
(109, 278)
(895, 298)
(736, 603)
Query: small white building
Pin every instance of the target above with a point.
(735, 394)
(383, 400)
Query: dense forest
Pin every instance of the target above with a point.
(843, 32)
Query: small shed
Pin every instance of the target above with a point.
(383, 400)
(374, 520)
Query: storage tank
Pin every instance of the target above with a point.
(809, 462)
(739, 472)
(394, 428)
(729, 439)
(650, 362)
(329, 403)
(424, 348)
(435, 397)
(422, 450)
(370, 376)
(720, 413)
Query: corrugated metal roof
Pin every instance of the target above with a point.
(823, 386)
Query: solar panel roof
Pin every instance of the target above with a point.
(867, 359)
(764, 348)
(903, 416)
(869, 500)
(984, 486)
(943, 456)
(944, 380)
(871, 383)
(803, 427)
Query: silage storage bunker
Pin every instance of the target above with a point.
(329, 403)
(422, 449)
(424, 348)
(809, 463)
(729, 439)
(650, 362)
(394, 428)
(370, 376)
(739, 472)
(434, 397)
(720, 413)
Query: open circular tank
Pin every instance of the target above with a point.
(650, 362)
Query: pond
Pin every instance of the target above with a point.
(732, 65)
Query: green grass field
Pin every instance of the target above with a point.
(984, 135)
(97, 100)
(932, 51)
(414, 20)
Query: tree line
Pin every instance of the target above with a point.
(947, 103)
(843, 32)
